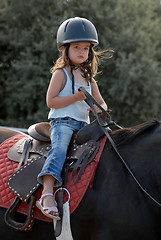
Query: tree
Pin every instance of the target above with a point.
(130, 82)
(135, 86)
(28, 49)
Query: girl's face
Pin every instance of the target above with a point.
(78, 52)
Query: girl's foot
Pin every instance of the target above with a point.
(47, 206)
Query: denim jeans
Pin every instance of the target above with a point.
(61, 132)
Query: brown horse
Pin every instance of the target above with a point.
(116, 208)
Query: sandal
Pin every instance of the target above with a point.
(46, 210)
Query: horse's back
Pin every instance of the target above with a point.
(115, 208)
(7, 133)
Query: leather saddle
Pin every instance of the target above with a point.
(31, 151)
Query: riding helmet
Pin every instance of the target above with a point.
(77, 30)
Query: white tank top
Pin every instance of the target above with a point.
(77, 110)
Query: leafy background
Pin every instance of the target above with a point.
(130, 82)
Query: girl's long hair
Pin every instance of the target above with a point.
(89, 67)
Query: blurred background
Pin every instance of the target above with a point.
(130, 82)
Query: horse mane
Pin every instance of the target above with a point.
(125, 135)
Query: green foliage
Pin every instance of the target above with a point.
(137, 89)
(130, 82)
(27, 43)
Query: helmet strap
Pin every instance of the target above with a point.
(73, 67)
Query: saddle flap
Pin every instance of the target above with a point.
(24, 181)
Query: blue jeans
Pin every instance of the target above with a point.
(61, 132)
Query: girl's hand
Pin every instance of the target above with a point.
(79, 95)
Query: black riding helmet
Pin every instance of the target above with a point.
(77, 30)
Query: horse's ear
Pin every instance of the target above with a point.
(91, 131)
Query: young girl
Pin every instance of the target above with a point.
(76, 67)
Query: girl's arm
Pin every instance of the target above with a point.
(97, 96)
(56, 84)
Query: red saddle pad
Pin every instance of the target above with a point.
(7, 168)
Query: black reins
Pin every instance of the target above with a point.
(104, 120)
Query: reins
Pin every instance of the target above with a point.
(105, 121)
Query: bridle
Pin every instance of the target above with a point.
(104, 120)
